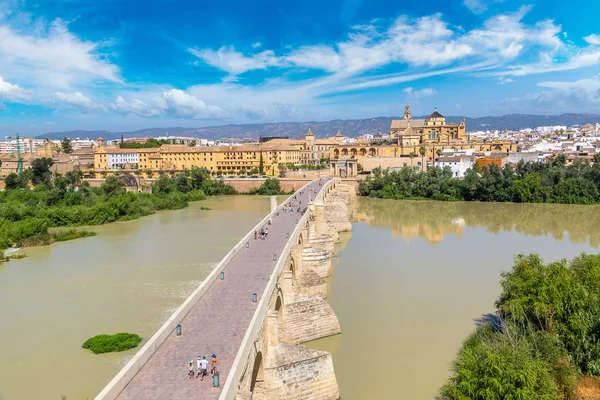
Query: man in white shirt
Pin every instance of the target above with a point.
(202, 365)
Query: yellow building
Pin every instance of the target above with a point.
(219, 159)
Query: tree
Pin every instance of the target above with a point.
(40, 168)
(12, 181)
(198, 176)
(66, 145)
(193, 143)
(112, 186)
(73, 178)
(422, 151)
(261, 165)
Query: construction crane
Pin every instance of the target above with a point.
(19, 160)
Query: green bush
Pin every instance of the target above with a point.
(110, 343)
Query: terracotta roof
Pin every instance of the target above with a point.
(339, 134)
(309, 133)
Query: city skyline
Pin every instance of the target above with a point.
(114, 65)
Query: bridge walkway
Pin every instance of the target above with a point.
(217, 323)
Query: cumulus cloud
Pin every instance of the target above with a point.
(228, 59)
(593, 39)
(76, 99)
(183, 105)
(417, 94)
(174, 102)
(52, 56)
(10, 92)
(136, 107)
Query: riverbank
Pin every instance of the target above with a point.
(26, 215)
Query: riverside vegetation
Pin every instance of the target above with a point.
(533, 182)
(26, 214)
(544, 341)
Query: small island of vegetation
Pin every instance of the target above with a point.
(111, 343)
(532, 182)
(543, 342)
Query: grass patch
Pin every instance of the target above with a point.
(110, 343)
(205, 208)
(17, 256)
(71, 234)
(46, 238)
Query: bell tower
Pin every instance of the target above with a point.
(407, 116)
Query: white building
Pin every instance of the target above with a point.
(458, 164)
(118, 160)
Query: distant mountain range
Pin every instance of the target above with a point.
(348, 127)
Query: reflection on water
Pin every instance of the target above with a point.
(416, 276)
(128, 278)
(433, 220)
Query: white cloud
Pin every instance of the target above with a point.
(183, 105)
(51, 57)
(12, 92)
(228, 59)
(502, 81)
(76, 99)
(479, 6)
(417, 94)
(584, 58)
(588, 85)
(256, 45)
(593, 39)
(135, 106)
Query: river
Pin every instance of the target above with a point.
(129, 278)
(413, 278)
(408, 286)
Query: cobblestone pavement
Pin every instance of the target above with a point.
(217, 323)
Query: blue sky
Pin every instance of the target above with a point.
(122, 64)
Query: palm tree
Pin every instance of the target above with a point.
(411, 155)
(438, 152)
(422, 151)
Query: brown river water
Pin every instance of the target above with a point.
(411, 280)
(408, 285)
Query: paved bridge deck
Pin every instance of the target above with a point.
(217, 323)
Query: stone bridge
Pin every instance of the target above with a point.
(258, 344)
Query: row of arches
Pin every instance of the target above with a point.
(355, 152)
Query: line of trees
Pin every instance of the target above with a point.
(532, 182)
(544, 336)
(37, 200)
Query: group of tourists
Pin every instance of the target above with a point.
(202, 367)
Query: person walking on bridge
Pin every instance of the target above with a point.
(213, 365)
(202, 365)
(191, 368)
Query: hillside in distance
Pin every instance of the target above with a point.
(348, 127)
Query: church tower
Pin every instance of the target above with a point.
(407, 116)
